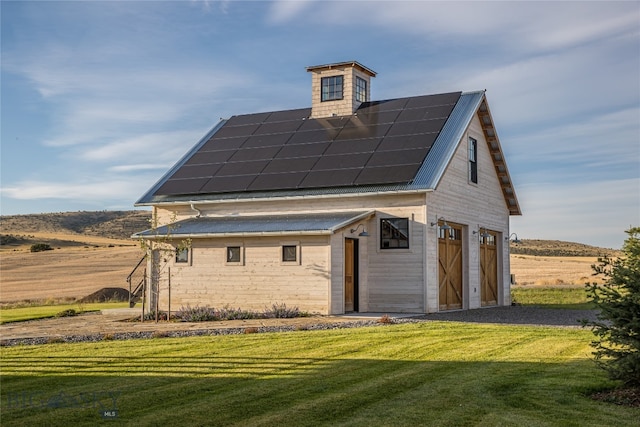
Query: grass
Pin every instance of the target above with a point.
(432, 373)
(574, 298)
(20, 314)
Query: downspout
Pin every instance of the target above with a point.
(197, 210)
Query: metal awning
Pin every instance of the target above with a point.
(263, 225)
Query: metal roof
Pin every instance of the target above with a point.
(261, 225)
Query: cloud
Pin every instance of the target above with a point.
(283, 11)
(113, 189)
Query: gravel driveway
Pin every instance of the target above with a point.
(518, 315)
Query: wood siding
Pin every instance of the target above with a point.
(458, 200)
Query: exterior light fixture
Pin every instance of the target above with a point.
(444, 226)
(363, 233)
(516, 240)
(483, 232)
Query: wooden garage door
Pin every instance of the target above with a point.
(450, 270)
(488, 270)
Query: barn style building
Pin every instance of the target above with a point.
(352, 205)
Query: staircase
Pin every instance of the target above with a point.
(137, 281)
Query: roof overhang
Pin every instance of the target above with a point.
(497, 157)
(354, 64)
(314, 224)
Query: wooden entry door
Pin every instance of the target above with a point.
(450, 267)
(488, 270)
(350, 275)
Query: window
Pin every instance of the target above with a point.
(331, 88)
(289, 253)
(233, 254)
(473, 160)
(182, 255)
(361, 90)
(394, 233)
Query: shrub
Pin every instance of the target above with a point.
(618, 325)
(227, 313)
(197, 314)
(67, 313)
(39, 247)
(281, 311)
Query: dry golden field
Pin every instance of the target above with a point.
(82, 266)
(76, 267)
(530, 270)
(92, 251)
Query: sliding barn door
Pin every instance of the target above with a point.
(488, 270)
(450, 267)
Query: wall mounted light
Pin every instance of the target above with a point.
(363, 233)
(516, 240)
(444, 226)
(483, 232)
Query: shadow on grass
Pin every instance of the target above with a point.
(222, 391)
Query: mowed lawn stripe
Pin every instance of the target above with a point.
(432, 373)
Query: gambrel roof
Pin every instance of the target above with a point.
(402, 144)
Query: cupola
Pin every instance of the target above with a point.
(339, 89)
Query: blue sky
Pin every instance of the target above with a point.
(100, 98)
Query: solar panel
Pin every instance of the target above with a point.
(266, 140)
(280, 116)
(181, 186)
(243, 168)
(290, 165)
(430, 100)
(228, 131)
(330, 178)
(384, 142)
(353, 146)
(196, 171)
(227, 184)
(302, 150)
(246, 119)
(387, 174)
(254, 154)
(208, 157)
(283, 181)
(278, 127)
(399, 157)
(216, 143)
(342, 161)
(407, 141)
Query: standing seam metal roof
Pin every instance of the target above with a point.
(318, 223)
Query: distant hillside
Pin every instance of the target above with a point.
(559, 248)
(122, 224)
(111, 224)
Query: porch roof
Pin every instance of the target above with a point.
(262, 225)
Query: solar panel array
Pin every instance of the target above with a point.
(384, 142)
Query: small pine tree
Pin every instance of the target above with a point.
(617, 349)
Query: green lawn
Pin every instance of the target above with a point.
(21, 314)
(552, 297)
(432, 373)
